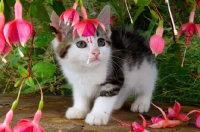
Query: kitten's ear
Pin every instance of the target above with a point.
(55, 21)
(62, 28)
(104, 17)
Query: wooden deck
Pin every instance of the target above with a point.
(53, 119)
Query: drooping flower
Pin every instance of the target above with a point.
(18, 30)
(26, 125)
(70, 15)
(197, 3)
(189, 29)
(86, 27)
(4, 49)
(164, 122)
(197, 114)
(173, 113)
(157, 42)
(135, 126)
(5, 126)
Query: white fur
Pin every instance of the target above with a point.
(140, 82)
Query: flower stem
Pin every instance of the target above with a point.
(128, 12)
(81, 3)
(182, 63)
(192, 13)
(156, 10)
(20, 88)
(170, 13)
(41, 100)
(1, 6)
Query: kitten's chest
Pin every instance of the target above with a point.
(87, 77)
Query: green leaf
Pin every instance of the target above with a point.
(42, 14)
(33, 10)
(22, 71)
(148, 33)
(29, 81)
(50, 1)
(139, 11)
(142, 2)
(37, 2)
(154, 14)
(44, 69)
(58, 7)
(43, 38)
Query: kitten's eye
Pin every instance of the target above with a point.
(101, 42)
(81, 44)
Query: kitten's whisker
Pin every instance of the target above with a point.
(117, 57)
(117, 65)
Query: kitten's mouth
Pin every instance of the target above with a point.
(95, 59)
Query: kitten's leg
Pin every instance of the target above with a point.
(144, 93)
(80, 107)
(103, 107)
(121, 97)
(142, 103)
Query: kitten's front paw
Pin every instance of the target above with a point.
(75, 113)
(140, 106)
(97, 119)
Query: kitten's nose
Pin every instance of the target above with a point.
(96, 52)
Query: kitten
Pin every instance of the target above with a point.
(120, 64)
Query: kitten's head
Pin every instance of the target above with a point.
(82, 51)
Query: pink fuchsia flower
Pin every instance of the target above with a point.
(135, 126)
(26, 125)
(197, 114)
(18, 30)
(4, 49)
(189, 29)
(173, 113)
(164, 122)
(157, 43)
(5, 126)
(70, 15)
(86, 27)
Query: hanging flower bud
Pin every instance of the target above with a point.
(157, 42)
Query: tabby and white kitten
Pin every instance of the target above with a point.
(120, 63)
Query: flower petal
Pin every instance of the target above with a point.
(143, 121)
(6, 32)
(197, 28)
(182, 117)
(25, 30)
(2, 21)
(182, 28)
(177, 107)
(197, 123)
(171, 113)
(156, 119)
(2, 42)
